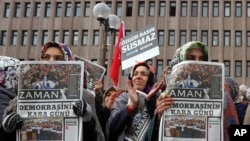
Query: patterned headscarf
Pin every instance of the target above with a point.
(8, 72)
(234, 88)
(65, 49)
(181, 53)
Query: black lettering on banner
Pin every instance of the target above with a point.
(239, 132)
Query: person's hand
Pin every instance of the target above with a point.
(111, 100)
(119, 91)
(154, 90)
(12, 122)
(133, 97)
(98, 86)
(163, 103)
(81, 108)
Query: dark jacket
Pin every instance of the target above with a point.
(101, 111)
(5, 97)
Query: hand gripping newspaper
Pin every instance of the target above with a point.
(46, 95)
(197, 113)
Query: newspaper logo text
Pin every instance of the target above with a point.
(39, 94)
(240, 132)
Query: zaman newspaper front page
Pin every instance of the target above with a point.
(197, 112)
(46, 95)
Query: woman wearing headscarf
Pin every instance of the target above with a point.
(133, 110)
(232, 87)
(8, 88)
(195, 51)
(53, 51)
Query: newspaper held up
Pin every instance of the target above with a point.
(197, 113)
(46, 94)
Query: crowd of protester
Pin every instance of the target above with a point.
(118, 115)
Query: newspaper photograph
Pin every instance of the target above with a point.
(46, 94)
(197, 112)
(93, 71)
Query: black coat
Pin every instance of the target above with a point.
(5, 97)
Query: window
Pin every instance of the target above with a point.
(119, 9)
(7, 10)
(68, 9)
(238, 38)
(248, 9)
(127, 32)
(193, 35)
(204, 9)
(168, 61)
(56, 35)
(84, 37)
(47, 9)
(129, 9)
(248, 69)
(75, 37)
(58, 9)
(194, 9)
(78, 9)
(34, 37)
(171, 38)
(109, 4)
(151, 8)
(238, 67)
(216, 9)
(159, 67)
(27, 10)
(248, 38)
(215, 38)
(44, 37)
(149, 61)
(172, 8)
(87, 9)
(3, 37)
(204, 36)
(227, 9)
(17, 9)
(227, 67)
(66, 36)
(25, 37)
(227, 38)
(96, 37)
(14, 37)
(38, 9)
(126, 72)
(162, 9)
(238, 9)
(183, 37)
(161, 37)
(141, 8)
(214, 60)
(183, 9)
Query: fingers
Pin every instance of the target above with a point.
(163, 103)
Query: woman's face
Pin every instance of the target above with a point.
(140, 78)
(195, 54)
(110, 97)
(53, 54)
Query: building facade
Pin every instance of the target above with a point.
(224, 26)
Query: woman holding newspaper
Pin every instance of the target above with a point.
(53, 51)
(195, 51)
(8, 89)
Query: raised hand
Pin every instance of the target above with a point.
(81, 108)
(133, 97)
